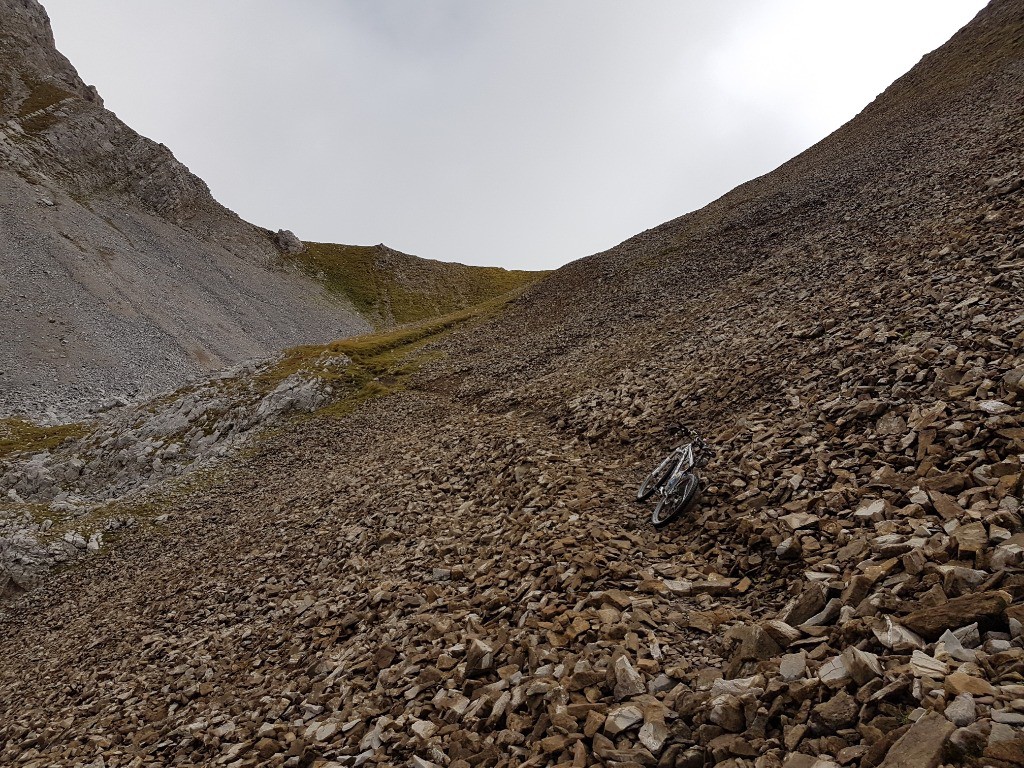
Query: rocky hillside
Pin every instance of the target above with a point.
(454, 573)
(63, 487)
(121, 275)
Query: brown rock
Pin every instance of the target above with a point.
(921, 746)
(267, 747)
(856, 590)
(971, 538)
(726, 711)
(966, 742)
(709, 621)
(714, 585)
(946, 506)
(961, 682)
(835, 713)
(808, 603)
(848, 755)
(551, 744)
(754, 643)
(1008, 752)
(730, 745)
(984, 607)
(617, 598)
(1016, 612)
(781, 632)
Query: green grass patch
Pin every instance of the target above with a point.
(42, 95)
(392, 288)
(20, 436)
(380, 363)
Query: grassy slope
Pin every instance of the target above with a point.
(375, 364)
(393, 288)
(19, 436)
(42, 96)
(428, 298)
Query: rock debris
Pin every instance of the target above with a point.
(456, 575)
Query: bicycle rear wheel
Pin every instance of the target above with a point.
(654, 480)
(672, 505)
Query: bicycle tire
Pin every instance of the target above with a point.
(671, 506)
(654, 480)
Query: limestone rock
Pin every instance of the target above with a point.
(479, 656)
(622, 718)
(628, 681)
(961, 711)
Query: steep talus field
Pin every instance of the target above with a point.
(454, 573)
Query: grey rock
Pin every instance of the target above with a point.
(286, 240)
(628, 681)
(961, 711)
(793, 666)
(1006, 717)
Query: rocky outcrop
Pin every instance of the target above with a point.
(288, 243)
(56, 131)
(49, 500)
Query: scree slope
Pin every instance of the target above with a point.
(455, 574)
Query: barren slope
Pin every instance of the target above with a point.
(455, 575)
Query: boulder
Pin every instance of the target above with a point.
(288, 243)
(984, 608)
(921, 746)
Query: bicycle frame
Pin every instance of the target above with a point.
(684, 463)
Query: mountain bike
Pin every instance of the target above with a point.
(675, 480)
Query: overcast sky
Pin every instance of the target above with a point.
(520, 133)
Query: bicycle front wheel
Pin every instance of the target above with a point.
(672, 505)
(654, 480)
